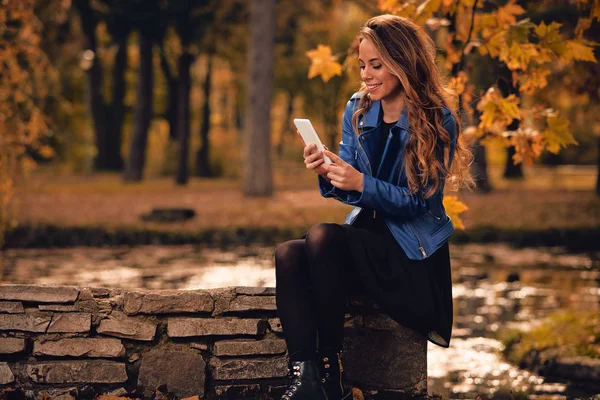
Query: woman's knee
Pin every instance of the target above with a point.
(289, 256)
(322, 237)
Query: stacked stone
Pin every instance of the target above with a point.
(67, 342)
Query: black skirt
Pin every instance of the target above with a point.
(415, 293)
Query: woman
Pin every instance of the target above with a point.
(400, 139)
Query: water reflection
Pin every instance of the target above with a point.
(495, 287)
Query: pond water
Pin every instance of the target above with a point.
(495, 287)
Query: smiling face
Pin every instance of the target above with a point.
(382, 84)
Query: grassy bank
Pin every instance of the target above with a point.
(566, 334)
(549, 207)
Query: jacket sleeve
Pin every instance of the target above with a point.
(346, 153)
(393, 200)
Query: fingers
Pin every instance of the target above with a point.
(334, 157)
(309, 149)
(314, 164)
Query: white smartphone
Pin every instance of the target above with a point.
(309, 136)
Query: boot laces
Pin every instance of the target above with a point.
(294, 385)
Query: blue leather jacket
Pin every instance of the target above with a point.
(419, 225)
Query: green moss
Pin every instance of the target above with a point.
(569, 333)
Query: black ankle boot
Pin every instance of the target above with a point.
(332, 375)
(305, 382)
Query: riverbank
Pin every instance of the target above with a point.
(548, 208)
(44, 236)
(566, 345)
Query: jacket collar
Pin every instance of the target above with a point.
(373, 116)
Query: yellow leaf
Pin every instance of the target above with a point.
(357, 394)
(454, 208)
(497, 112)
(580, 50)
(557, 134)
(533, 79)
(550, 37)
(518, 55)
(528, 146)
(507, 14)
(458, 83)
(323, 63)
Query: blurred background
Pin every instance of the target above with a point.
(149, 144)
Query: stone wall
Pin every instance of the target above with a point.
(69, 342)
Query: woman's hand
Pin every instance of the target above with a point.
(313, 160)
(343, 175)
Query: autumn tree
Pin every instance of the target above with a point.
(26, 80)
(530, 51)
(107, 115)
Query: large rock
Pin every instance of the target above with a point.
(11, 345)
(183, 372)
(384, 359)
(249, 347)
(128, 328)
(232, 369)
(167, 302)
(80, 347)
(70, 322)
(74, 371)
(11, 307)
(186, 327)
(39, 294)
(25, 322)
(6, 375)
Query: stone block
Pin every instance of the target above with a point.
(232, 369)
(11, 307)
(128, 328)
(39, 294)
(387, 360)
(275, 325)
(183, 372)
(25, 322)
(6, 375)
(71, 322)
(238, 391)
(77, 371)
(255, 291)
(249, 347)
(11, 345)
(80, 347)
(253, 303)
(58, 307)
(186, 327)
(380, 322)
(167, 302)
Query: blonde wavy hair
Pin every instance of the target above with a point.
(409, 53)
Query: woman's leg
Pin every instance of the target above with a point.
(328, 260)
(294, 300)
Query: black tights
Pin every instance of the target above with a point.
(311, 290)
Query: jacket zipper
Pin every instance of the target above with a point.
(366, 156)
(434, 216)
(418, 240)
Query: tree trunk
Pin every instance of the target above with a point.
(184, 83)
(94, 96)
(143, 113)
(512, 170)
(171, 112)
(258, 179)
(479, 169)
(287, 126)
(114, 160)
(598, 179)
(202, 156)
